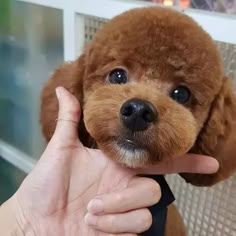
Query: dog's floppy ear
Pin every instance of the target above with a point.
(218, 137)
(70, 76)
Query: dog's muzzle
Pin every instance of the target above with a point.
(137, 114)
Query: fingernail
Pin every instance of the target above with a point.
(95, 206)
(212, 166)
(58, 92)
(90, 219)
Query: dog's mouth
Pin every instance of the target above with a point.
(131, 151)
(129, 144)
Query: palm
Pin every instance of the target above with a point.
(84, 175)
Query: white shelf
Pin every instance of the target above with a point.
(221, 27)
(59, 4)
(16, 157)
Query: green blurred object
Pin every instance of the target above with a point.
(10, 180)
(4, 15)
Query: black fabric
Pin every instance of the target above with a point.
(159, 211)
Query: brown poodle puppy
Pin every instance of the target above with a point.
(151, 85)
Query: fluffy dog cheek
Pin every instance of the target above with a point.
(102, 112)
(101, 119)
(177, 134)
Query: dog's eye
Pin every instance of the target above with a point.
(181, 94)
(118, 76)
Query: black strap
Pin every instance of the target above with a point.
(159, 211)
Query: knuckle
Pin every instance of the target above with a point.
(73, 113)
(146, 220)
(110, 222)
(119, 198)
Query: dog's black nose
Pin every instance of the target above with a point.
(137, 114)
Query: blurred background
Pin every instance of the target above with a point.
(224, 6)
(31, 46)
(38, 35)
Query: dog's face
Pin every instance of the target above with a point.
(147, 84)
(150, 85)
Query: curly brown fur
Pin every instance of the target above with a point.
(218, 137)
(174, 224)
(160, 49)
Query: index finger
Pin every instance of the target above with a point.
(189, 163)
(145, 191)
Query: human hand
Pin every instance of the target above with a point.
(61, 191)
(54, 198)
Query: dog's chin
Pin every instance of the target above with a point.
(127, 152)
(131, 155)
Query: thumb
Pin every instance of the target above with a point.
(68, 118)
(188, 163)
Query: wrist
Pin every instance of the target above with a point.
(12, 221)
